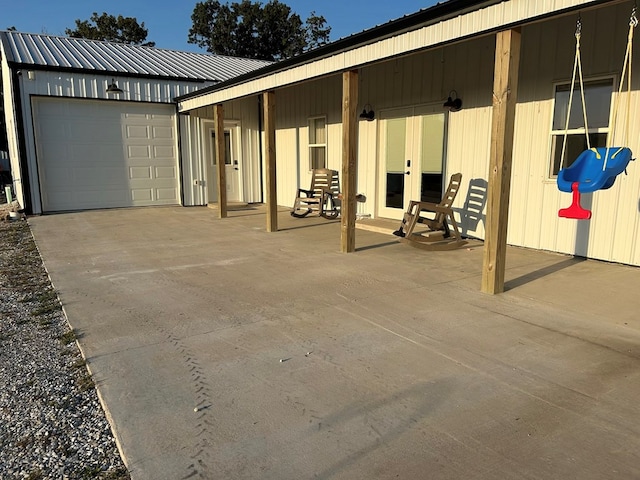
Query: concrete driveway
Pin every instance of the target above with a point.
(224, 352)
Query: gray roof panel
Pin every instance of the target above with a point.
(59, 53)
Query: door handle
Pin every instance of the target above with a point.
(407, 172)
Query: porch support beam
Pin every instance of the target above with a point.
(218, 120)
(505, 92)
(349, 160)
(269, 114)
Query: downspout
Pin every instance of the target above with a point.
(180, 169)
(22, 144)
(260, 148)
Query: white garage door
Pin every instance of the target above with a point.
(103, 154)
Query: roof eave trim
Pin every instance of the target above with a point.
(438, 12)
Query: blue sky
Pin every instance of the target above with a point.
(168, 21)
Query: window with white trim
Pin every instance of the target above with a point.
(597, 96)
(317, 142)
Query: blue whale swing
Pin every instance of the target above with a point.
(595, 168)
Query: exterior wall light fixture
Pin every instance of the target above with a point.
(368, 115)
(453, 103)
(113, 89)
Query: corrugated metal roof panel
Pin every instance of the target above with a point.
(82, 54)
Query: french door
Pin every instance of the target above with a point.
(412, 150)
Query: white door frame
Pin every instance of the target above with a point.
(411, 162)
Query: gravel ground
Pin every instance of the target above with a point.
(51, 422)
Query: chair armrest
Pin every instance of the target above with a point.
(308, 193)
(433, 207)
(428, 206)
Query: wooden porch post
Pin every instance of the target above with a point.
(218, 120)
(505, 93)
(269, 114)
(349, 161)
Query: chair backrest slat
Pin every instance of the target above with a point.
(325, 179)
(450, 195)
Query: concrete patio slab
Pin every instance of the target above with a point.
(224, 351)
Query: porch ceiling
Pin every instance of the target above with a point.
(485, 18)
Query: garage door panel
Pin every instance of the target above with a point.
(56, 132)
(160, 196)
(103, 199)
(137, 131)
(167, 173)
(164, 151)
(58, 150)
(139, 151)
(92, 154)
(84, 177)
(162, 132)
(166, 194)
(142, 195)
(136, 173)
(105, 154)
(108, 198)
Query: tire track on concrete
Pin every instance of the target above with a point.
(147, 316)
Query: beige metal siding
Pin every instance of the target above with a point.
(12, 129)
(447, 30)
(294, 107)
(547, 58)
(421, 79)
(427, 79)
(194, 159)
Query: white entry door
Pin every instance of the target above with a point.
(411, 158)
(232, 164)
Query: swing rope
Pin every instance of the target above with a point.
(577, 68)
(626, 71)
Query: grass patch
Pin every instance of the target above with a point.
(67, 338)
(36, 474)
(24, 442)
(85, 382)
(46, 309)
(79, 363)
(117, 474)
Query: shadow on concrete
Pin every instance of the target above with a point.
(422, 400)
(379, 245)
(542, 272)
(308, 225)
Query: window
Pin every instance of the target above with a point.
(318, 142)
(597, 96)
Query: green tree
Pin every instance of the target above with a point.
(110, 28)
(253, 30)
(317, 31)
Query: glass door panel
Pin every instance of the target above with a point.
(432, 154)
(396, 135)
(411, 158)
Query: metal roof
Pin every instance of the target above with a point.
(66, 53)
